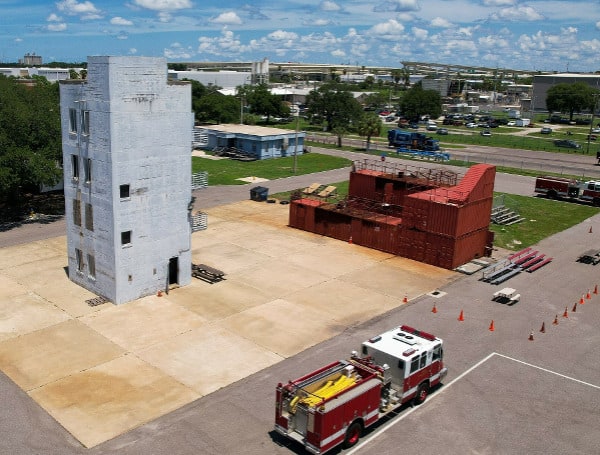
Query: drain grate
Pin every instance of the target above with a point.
(96, 301)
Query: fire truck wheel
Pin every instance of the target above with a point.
(422, 393)
(352, 435)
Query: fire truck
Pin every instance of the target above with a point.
(334, 404)
(570, 189)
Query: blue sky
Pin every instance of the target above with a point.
(531, 35)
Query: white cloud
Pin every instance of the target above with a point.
(225, 44)
(328, 5)
(420, 33)
(132, 51)
(318, 22)
(53, 18)
(178, 51)
(440, 22)
(281, 35)
(120, 21)
(492, 42)
(164, 5)
(228, 18)
(391, 27)
(397, 6)
(57, 27)
(85, 10)
(499, 2)
(598, 25)
(338, 53)
(518, 13)
(165, 17)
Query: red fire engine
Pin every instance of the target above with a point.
(332, 405)
(570, 189)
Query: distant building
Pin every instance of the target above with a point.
(126, 136)
(256, 141)
(31, 60)
(542, 83)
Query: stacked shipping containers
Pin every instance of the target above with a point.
(413, 217)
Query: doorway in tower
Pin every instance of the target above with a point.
(173, 271)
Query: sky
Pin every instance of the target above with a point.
(535, 35)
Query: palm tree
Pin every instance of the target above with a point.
(370, 125)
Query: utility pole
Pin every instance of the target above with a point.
(296, 142)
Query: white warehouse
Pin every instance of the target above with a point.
(126, 135)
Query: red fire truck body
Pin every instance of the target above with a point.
(559, 187)
(332, 405)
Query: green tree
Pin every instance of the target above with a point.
(417, 102)
(217, 108)
(261, 101)
(334, 104)
(30, 137)
(376, 100)
(396, 77)
(370, 125)
(570, 98)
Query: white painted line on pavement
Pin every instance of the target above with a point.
(549, 371)
(397, 419)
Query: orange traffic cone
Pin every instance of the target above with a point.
(530, 336)
(588, 295)
(405, 299)
(574, 308)
(461, 316)
(581, 300)
(566, 313)
(434, 309)
(159, 293)
(555, 322)
(492, 328)
(543, 329)
(350, 240)
(596, 289)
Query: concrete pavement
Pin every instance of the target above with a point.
(101, 371)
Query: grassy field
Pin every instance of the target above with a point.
(543, 218)
(227, 172)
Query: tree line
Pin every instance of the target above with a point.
(30, 133)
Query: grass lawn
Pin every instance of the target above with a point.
(543, 218)
(226, 172)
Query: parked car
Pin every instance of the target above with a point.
(567, 143)
(596, 130)
(546, 130)
(443, 131)
(486, 133)
(471, 125)
(511, 123)
(592, 137)
(431, 127)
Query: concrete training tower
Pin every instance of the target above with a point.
(126, 136)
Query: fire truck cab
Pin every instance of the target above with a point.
(414, 359)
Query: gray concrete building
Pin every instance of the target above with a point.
(126, 135)
(542, 83)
